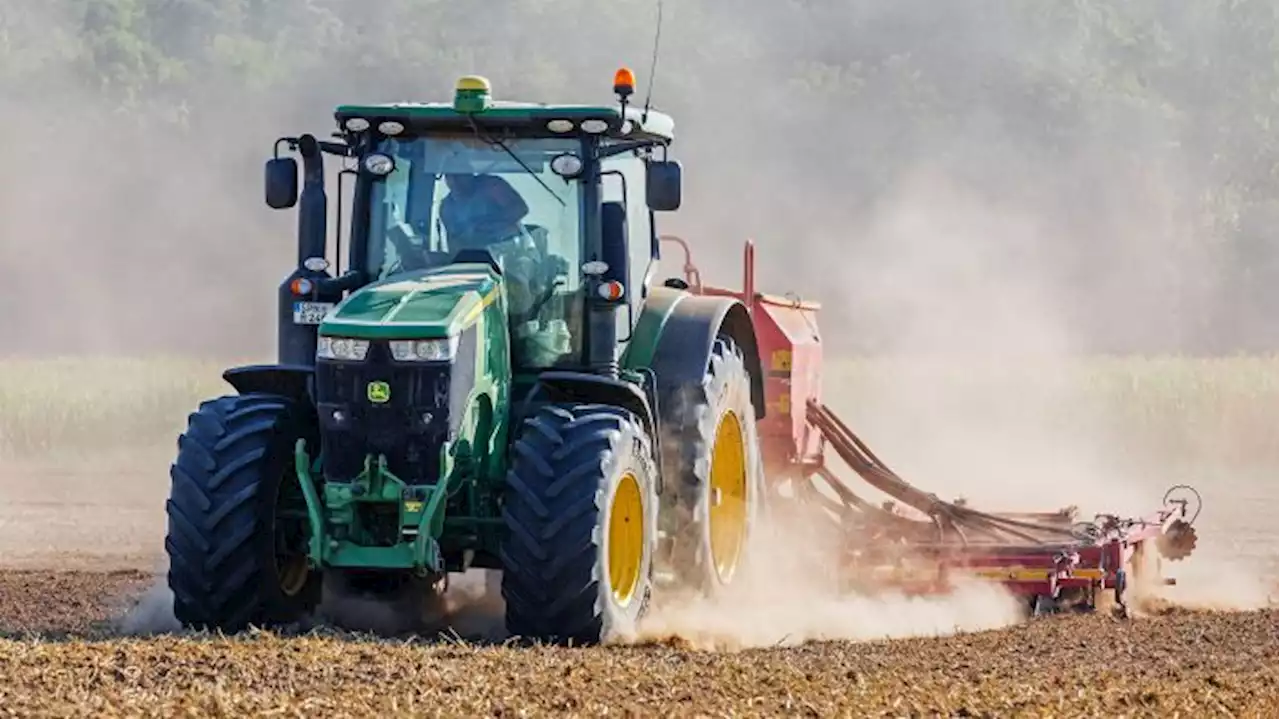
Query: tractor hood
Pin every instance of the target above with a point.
(429, 304)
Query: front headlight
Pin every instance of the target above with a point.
(342, 348)
(438, 350)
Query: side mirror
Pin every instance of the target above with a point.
(662, 185)
(281, 183)
(613, 241)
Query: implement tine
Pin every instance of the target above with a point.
(875, 472)
(867, 508)
(848, 447)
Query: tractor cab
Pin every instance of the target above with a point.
(556, 199)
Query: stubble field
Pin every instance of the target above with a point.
(84, 452)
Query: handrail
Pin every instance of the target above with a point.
(691, 274)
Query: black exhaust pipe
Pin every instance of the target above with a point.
(297, 342)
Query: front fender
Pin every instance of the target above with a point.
(286, 380)
(566, 386)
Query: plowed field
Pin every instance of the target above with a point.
(1178, 662)
(85, 629)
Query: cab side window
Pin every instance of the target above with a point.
(639, 219)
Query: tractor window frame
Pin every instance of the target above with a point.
(563, 217)
(642, 241)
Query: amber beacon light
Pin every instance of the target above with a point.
(624, 82)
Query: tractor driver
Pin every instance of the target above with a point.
(480, 210)
(485, 212)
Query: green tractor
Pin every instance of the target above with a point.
(495, 381)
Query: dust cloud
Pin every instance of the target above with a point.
(1226, 585)
(799, 125)
(978, 392)
(789, 593)
(470, 609)
(151, 614)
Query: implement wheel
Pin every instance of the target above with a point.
(581, 513)
(718, 484)
(237, 535)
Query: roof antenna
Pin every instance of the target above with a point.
(653, 66)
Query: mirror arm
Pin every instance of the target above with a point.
(632, 146)
(347, 281)
(341, 149)
(292, 142)
(330, 148)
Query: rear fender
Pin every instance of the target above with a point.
(688, 336)
(292, 381)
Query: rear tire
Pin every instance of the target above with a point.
(581, 513)
(233, 561)
(717, 487)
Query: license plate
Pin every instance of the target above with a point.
(311, 313)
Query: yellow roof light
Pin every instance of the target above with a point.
(473, 82)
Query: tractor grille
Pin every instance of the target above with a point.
(409, 429)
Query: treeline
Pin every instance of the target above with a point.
(1087, 175)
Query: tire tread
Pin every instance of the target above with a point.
(550, 582)
(215, 513)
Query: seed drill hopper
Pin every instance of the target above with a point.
(1052, 559)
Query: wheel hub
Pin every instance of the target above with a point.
(293, 571)
(626, 539)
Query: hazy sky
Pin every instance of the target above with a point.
(951, 177)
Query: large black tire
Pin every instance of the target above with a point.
(715, 420)
(237, 523)
(576, 568)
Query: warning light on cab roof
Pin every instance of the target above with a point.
(624, 82)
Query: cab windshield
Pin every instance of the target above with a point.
(447, 194)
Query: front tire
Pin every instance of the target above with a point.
(581, 513)
(237, 535)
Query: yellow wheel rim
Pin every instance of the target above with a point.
(626, 539)
(293, 574)
(292, 567)
(728, 496)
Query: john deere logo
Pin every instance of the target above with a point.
(378, 392)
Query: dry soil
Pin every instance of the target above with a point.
(80, 576)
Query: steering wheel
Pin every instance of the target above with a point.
(409, 254)
(536, 308)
